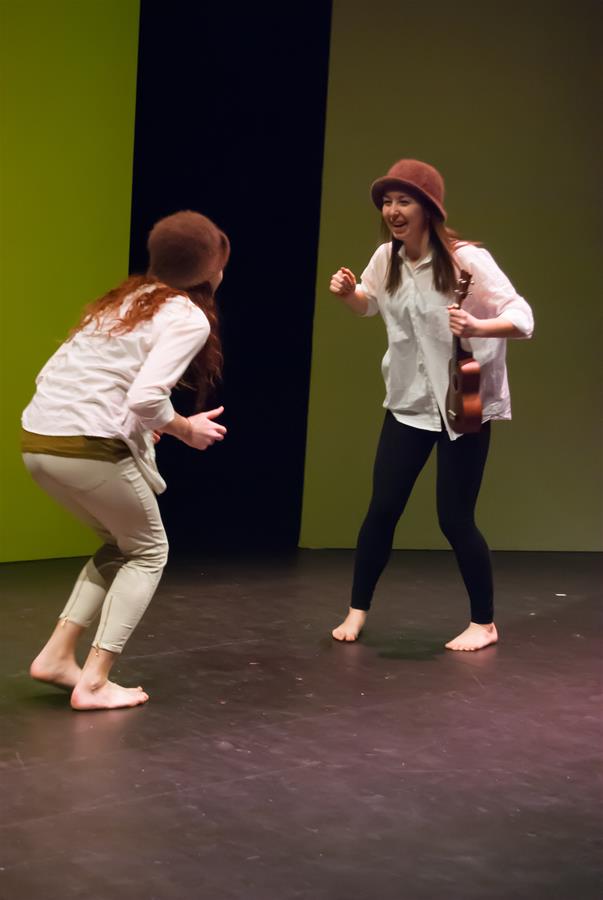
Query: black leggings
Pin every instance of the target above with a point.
(401, 454)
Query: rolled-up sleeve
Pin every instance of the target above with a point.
(180, 329)
(492, 294)
(373, 278)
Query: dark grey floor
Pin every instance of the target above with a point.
(273, 763)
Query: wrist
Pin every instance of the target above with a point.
(350, 296)
(479, 328)
(180, 427)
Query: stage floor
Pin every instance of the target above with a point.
(272, 763)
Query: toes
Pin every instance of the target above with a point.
(457, 645)
(466, 647)
(342, 634)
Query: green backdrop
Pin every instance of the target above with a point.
(68, 76)
(503, 98)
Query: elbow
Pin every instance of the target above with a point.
(139, 402)
(527, 332)
(149, 407)
(523, 324)
(520, 316)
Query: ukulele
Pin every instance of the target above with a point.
(463, 403)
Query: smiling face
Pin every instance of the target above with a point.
(405, 217)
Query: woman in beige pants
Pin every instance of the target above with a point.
(101, 402)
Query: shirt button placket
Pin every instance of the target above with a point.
(435, 410)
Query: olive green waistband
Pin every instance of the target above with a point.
(77, 445)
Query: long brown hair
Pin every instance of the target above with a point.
(443, 240)
(206, 368)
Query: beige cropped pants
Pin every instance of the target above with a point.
(120, 579)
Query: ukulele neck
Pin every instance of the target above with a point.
(461, 292)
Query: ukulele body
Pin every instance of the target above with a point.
(463, 402)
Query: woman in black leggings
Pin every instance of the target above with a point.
(410, 282)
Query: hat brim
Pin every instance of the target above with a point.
(387, 182)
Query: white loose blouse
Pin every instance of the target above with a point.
(415, 365)
(118, 385)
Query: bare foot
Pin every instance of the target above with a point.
(475, 637)
(351, 628)
(61, 672)
(106, 695)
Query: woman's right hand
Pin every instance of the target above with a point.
(343, 283)
(203, 430)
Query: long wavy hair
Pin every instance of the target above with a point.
(443, 240)
(148, 296)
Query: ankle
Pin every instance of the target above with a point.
(58, 654)
(97, 667)
(91, 682)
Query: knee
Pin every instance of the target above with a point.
(383, 513)
(153, 556)
(161, 554)
(454, 527)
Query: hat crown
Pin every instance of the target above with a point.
(421, 175)
(186, 249)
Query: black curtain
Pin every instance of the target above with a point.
(230, 121)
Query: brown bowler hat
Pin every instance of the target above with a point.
(420, 177)
(186, 249)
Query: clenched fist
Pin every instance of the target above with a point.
(462, 324)
(343, 282)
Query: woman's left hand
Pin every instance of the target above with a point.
(462, 324)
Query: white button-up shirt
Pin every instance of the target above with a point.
(119, 385)
(415, 365)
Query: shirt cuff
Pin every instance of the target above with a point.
(372, 307)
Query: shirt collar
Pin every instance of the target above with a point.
(425, 261)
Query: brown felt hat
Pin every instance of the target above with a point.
(418, 176)
(186, 249)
